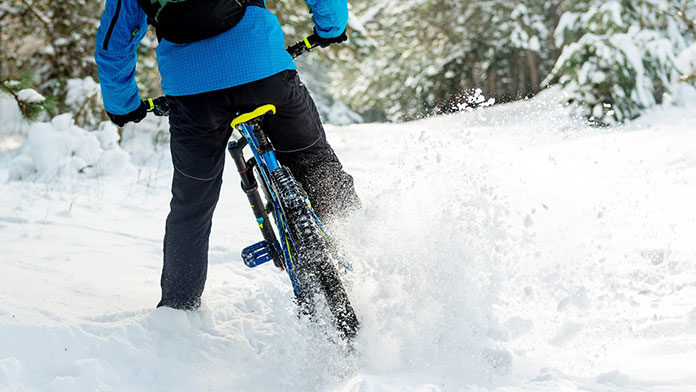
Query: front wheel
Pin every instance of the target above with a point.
(313, 257)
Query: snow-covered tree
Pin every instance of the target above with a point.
(618, 56)
(53, 42)
(425, 54)
(408, 58)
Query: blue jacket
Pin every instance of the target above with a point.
(252, 50)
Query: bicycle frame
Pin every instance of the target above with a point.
(280, 187)
(265, 160)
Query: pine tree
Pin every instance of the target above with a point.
(618, 55)
(424, 55)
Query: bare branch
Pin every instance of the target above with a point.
(45, 20)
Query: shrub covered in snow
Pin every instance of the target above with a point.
(30, 103)
(83, 97)
(618, 57)
(60, 149)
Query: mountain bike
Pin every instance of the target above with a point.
(299, 242)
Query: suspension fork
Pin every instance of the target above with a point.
(250, 187)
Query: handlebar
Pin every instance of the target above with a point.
(159, 106)
(304, 46)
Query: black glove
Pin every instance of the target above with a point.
(135, 116)
(324, 42)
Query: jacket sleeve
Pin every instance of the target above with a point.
(330, 16)
(123, 25)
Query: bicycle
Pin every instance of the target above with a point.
(300, 244)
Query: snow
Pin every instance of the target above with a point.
(11, 121)
(30, 96)
(78, 90)
(509, 248)
(61, 150)
(613, 9)
(686, 60)
(566, 22)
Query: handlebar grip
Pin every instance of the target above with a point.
(303, 46)
(158, 106)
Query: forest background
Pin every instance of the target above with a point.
(404, 60)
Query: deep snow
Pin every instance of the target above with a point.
(505, 249)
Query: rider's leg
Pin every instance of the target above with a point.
(198, 153)
(328, 186)
(300, 143)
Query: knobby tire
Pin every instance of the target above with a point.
(314, 258)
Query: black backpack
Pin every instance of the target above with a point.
(185, 21)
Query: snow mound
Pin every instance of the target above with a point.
(11, 120)
(60, 149)
(80, 90)
(147, 142)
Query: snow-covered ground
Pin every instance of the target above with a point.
(505, 249)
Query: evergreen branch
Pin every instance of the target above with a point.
(690, 23)
(8, 90)
(30, 110)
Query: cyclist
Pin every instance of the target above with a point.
(207, 82)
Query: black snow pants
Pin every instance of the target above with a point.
(199, 127)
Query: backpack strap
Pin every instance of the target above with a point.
(180, 22)
(257, 3)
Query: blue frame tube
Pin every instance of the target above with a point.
(268, 163)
